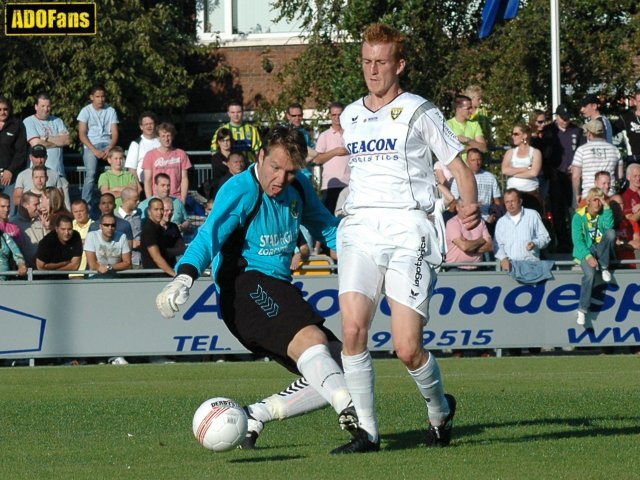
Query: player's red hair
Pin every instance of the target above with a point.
(381, 33)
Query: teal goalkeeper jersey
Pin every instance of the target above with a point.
(272, 234)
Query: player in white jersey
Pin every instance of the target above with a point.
(386, 242)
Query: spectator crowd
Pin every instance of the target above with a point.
(571, 186)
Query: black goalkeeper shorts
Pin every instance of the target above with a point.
(265, 313)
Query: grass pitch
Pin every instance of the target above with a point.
(539, 417)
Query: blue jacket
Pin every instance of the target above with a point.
(272, 235)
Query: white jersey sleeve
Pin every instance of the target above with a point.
(392, 153)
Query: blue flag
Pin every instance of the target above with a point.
(494, 10)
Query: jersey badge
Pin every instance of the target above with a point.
(395, 112)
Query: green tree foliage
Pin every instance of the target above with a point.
(140, 54)
(330, 70)
(599, 41)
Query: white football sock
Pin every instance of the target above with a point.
(429, 382)
(296, 399)
(323, 373)
(360, 377)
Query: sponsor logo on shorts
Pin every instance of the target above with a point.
(395, 113)
(421, 252)
(265, 302)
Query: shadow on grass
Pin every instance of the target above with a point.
(576, 428)
(273, 458)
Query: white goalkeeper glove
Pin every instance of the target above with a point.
(174, 294)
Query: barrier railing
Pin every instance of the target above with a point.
(316, 263)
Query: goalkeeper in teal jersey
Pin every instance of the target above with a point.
(249, 239)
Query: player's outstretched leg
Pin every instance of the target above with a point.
(297, 399)
(325, 375)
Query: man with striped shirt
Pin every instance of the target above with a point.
(245, 136)
(595, 155)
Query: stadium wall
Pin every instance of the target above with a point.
(64, 318)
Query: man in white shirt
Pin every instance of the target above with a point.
(142, 145)
(47, 130)
(520, 233)
(107, 250)
(488, 188)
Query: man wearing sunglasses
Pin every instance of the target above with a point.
(107, 250)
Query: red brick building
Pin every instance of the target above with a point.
(254, 47)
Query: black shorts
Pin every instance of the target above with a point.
(265, 313)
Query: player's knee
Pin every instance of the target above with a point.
(412, 355)
(354, 337)
(314, 336)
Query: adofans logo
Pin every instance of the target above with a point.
(50, 18)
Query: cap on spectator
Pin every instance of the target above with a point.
(589, 99)
(594, 126)
(39, 151)
(563, 112)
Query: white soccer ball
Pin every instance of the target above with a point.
(220, 424)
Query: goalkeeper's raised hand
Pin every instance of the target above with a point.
(173, 295)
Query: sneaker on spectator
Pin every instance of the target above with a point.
(118, 361)
(581, 318)
(606, 275)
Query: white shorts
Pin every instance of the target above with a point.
(391, 252)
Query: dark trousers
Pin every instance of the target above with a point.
(329, 198)
(560, 199)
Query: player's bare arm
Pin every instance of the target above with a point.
(468, 192)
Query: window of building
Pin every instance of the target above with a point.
(243, 21)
